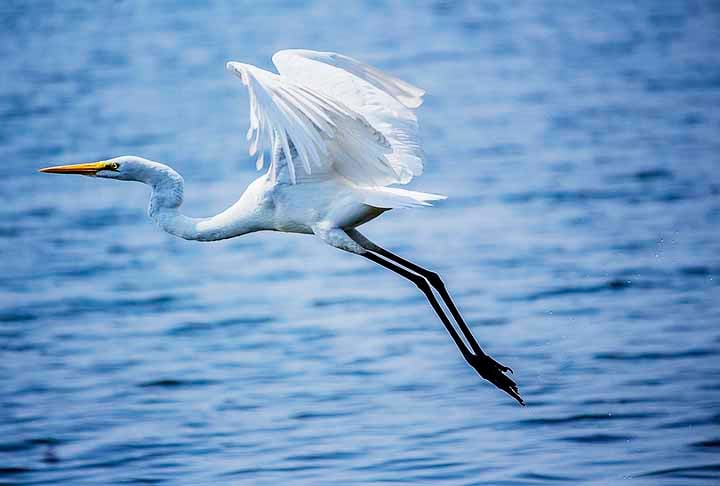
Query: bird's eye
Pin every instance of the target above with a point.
(114, 166)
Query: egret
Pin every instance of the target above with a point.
(338, 133)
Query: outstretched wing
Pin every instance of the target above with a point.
(316, 129)
(386, 102)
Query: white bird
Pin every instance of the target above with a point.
(339, 133)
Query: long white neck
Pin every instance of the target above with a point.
(167, 196)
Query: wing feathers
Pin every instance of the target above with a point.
(337, 113)
(407, 94)
(386, 103)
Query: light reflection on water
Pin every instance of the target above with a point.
(578, 142)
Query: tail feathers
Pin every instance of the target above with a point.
(392, 197)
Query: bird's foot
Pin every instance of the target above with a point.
(494, 372)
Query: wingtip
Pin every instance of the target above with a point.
(412, 102)
(234, 67)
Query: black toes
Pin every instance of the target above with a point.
(493, 372)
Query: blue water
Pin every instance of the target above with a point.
(579, 143)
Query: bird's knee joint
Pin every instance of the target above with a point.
(435, 279)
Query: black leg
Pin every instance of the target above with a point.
(437, 283)
(425, 289)
(434, 280)
(487, 367)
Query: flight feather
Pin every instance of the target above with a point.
(338, 114)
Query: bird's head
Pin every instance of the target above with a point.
(125, 168)
(166, 183)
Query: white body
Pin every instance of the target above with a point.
(269, 205)
(298, 208)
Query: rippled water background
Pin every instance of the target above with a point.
(579, 144)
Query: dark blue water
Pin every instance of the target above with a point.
(579, 142)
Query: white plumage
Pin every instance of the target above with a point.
(341, 115)
(337, 132)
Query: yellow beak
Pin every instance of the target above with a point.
(84, 169)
